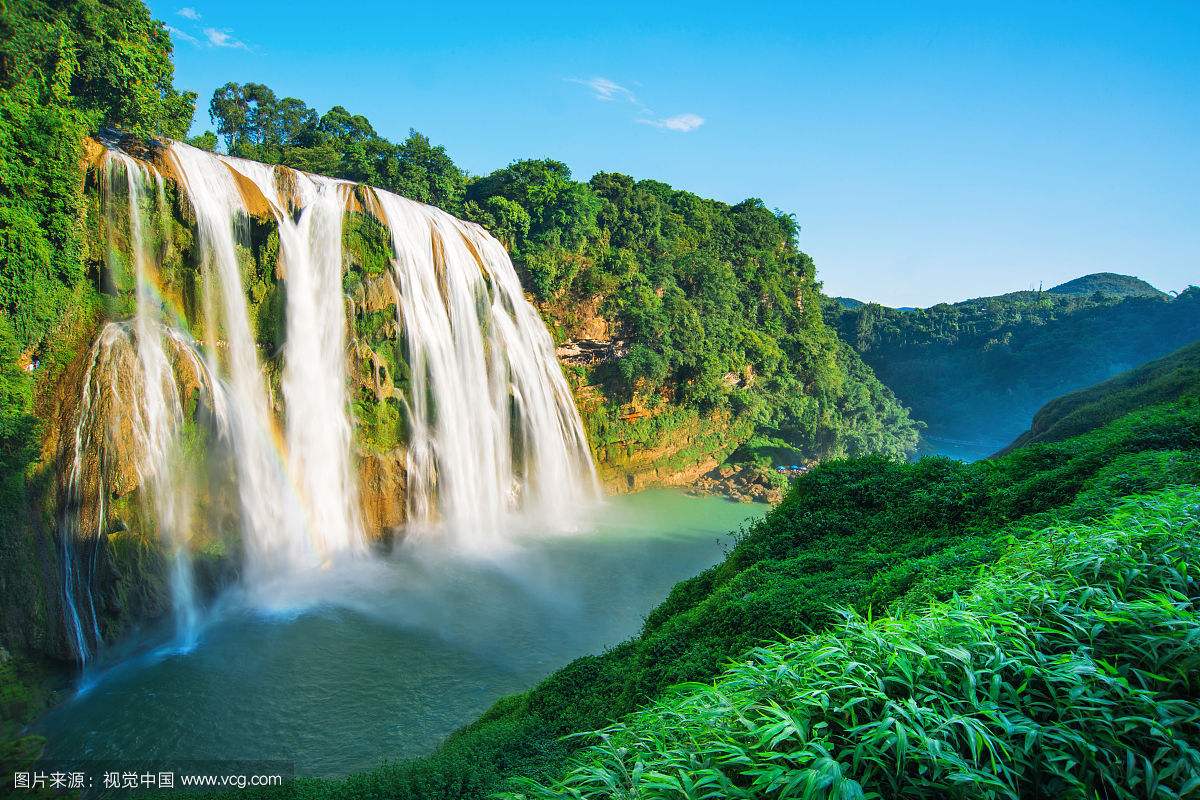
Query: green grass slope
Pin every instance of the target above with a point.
(1070, 671)
(867, 534)
(1162, 380)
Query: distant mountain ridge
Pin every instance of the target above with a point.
(977, 370)
(1108, 283)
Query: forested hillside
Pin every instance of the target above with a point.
(976, 371)
(1108, 283)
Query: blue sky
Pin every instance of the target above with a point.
(930, 151)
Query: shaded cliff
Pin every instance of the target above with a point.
(1163, 380)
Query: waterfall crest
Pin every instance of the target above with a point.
(493, 427)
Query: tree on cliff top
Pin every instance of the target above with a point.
(255, 123)
(68, 69)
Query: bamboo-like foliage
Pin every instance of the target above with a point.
(1071, 671)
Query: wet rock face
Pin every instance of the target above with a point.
(381, 481)
(102, 504)
(589, 352)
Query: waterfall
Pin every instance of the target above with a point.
(129, 392)
(298, 494)
(493, 427)
(317, 424)
(493, 433)
(160, 409)
(83, 625)
(273, 526)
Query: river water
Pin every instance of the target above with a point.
(416, 645)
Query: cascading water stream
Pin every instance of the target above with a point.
(272, 524)
(317, 424)
(493, 427)
(130, 391)
(160, 409)
(82, 623)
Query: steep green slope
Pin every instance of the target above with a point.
(862, 534)
(1160, 381)
(1070, 670)
(975, 372)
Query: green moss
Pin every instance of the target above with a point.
(24, 694)
(380, 425)
(366, 247)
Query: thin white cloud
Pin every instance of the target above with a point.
(187, 12)
(187, 37)
(218, 38)
(682, 123)
(606, 89)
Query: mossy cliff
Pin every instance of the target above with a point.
(643, 430)
(101, 503)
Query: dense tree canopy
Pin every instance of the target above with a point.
(718, 307)
(66, 69)
(254, 123)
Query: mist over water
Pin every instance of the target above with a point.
(407, 650)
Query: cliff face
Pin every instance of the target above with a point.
(650, 440)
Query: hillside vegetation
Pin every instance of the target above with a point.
(976, 371)
(1068, 671)
(1160, 381)
(867, 534)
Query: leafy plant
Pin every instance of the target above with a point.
(1069, 671)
